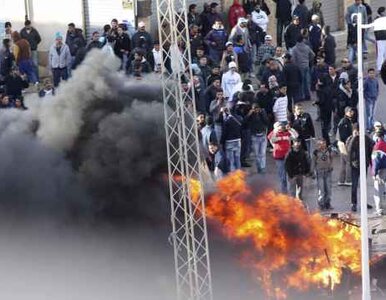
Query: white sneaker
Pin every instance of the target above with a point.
(379, 212)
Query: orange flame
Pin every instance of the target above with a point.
(305, 250)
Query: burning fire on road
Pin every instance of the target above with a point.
(284, 246)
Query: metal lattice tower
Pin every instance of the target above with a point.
(189, 231)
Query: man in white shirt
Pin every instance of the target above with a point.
(157, 57)
(230, 81)
(260, 18)
(281, 105)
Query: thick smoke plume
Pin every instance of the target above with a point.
(93, 147)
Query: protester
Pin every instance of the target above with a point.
(215, 40)
(75, 42)
(303, 13)
(322, 166)
(33, 37)
(280, 138)
(236, 11)
(297, 165)
(301, 121)
(260, 18)
(230, 81)
(344, 132)
(353, 153)
(23, 57)
(231, 139)
(371, 93)
(258, 123)
(283, 16)
(379, 171)
(48, 89)
(59, 60)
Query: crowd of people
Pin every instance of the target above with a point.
(250, 92)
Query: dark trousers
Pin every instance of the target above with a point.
(354, 187)
(280, 26)
(293, 96)
(59, 74)
(245, 144)
(325, 118)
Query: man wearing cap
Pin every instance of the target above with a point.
(266, 50)
(260, 18)
(59, 59)
(142, 39)
(230, 81)
(241, 30)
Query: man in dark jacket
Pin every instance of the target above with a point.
(95, 42)
(231, 139)
(343, 133)
(122, 46)
(293, 78)
(301, 121)
(33, 37)
(327, 88)
(383, 72)
(283, 16)
(142, 39)
(303, 13)
(292, 33)
(354, 161)
(15, 83)
(74, 40)
(297, 165)
(257, 122)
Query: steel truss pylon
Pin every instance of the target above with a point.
(189, 230)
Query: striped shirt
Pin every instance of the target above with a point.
(280, 109)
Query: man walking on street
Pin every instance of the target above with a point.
(353, 153)
(283, 16)
(322, 166)
(258, 123)
(297, 165)
(343, 133)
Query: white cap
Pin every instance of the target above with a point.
(377, 124)
(268, 37)
(141, 24)
(228, 43)
(232, 64)
(314, 17)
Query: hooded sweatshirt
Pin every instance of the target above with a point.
(236, 11)
(260, 18)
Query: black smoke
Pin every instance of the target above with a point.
(96, 148)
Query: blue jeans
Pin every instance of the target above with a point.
(35, 59)
(305, 90)
(324, 181)
(218, 131)
(232, 153)
(259, 144)
(282, 175)
(352, 53)
(370, 108)
(27, 67)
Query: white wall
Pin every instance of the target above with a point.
(51, 16)
(48, 16)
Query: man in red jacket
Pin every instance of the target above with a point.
(280, 138)
(236, 11)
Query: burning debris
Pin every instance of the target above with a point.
(285, 247)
